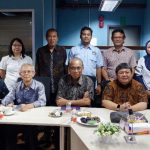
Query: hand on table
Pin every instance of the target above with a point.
(62, 102)
(25, 107)
(10, 105)
(125, 106)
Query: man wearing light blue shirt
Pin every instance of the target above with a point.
(27, 93)
(90, 55)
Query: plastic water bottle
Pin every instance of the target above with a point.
(73, 116)
(68, 107)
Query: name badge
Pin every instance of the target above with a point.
(93, 53)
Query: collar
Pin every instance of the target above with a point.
(89, 46)
(123, 49)
(124, 86)
(55, 48)
(71, 81)
(13, 57)
(31, 86)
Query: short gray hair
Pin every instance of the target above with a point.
(75, 59)
(27, 64)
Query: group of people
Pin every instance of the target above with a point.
(88, 73)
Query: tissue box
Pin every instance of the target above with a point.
(138, 128)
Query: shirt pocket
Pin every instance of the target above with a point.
(93, 62)
(78, 55)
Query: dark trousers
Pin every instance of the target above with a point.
(29, 133)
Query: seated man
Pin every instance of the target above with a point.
(75, 88)
(27, 94)
(124, 93)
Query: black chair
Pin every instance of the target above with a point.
(3, 89)
(46, 83)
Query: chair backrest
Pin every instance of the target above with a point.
(3, 89)
(46, 83)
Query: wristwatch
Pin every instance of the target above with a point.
(118, 107)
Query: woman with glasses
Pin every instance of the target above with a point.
(10, 65)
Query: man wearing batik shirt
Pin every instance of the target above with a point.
(124, 92)
(50, 62)
(116, 55)
(75, 88)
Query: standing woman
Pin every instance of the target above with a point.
(143, 71)
(10, 65)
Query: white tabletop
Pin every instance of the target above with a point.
(36, 116)
(85, 136)
(91, 141)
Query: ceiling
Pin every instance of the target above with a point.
(95, 3)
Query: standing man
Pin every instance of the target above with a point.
(116, 55)
(91, 57)
(50, 61)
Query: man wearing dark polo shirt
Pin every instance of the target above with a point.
(50, 62)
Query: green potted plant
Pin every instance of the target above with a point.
(106, 131)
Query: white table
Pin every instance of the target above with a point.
(38, 116)
(83, 138)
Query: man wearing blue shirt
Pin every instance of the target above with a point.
(27, 94)
(90, 55)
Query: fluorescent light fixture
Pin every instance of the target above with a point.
(109, 5)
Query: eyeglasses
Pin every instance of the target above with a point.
(15, 45)
(124, 72)
(118, 37)
(75, 68)
(27, 71)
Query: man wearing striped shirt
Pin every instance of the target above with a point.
(116, 55)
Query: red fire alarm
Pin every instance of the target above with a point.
(101, 21)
